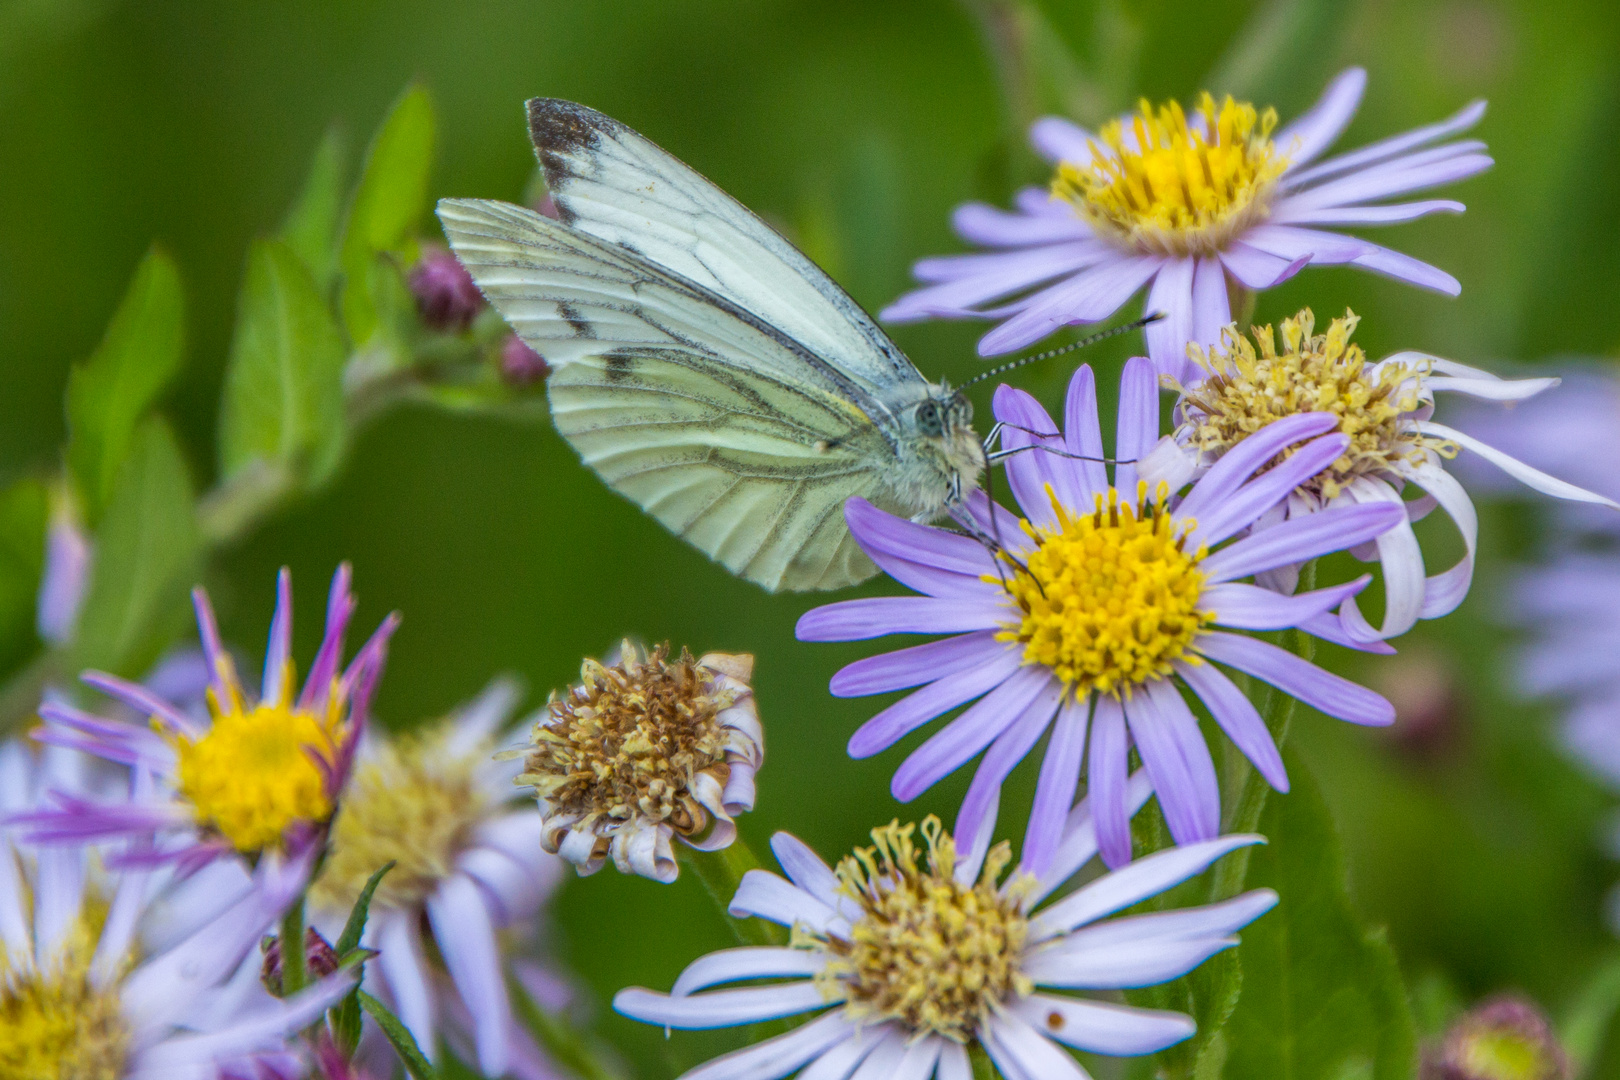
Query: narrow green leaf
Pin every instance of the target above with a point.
(146, 558)
(1276, 58)
(1322, 995)
(416, 1063)
(109, 393)
(390, 199)
(562, 1040)
(283, 397)
(349, 940)
(24, 515)
(311, 227)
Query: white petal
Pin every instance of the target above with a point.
(1013, 1042)
(767, 896)
(719, 1008)
(779, 1056)
(406, 974)
(1079, 843)
(1103, 1027)
(733, 965)
(1533, 478)
(465, 934)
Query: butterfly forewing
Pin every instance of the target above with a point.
(715, 422)
(615, 184)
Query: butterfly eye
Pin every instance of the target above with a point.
(928, 421)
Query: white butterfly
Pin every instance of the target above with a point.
(703, 366)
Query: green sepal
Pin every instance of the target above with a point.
(355, 927)
(404, 1043)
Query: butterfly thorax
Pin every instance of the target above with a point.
(938, 459)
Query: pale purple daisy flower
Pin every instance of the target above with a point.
(998, 976)
(468, 865)
(1385, 409)
(70, 962)
(1103, 607)
(262, 774)
(1189, 205)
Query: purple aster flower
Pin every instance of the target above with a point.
(82, 999)
(264, 773)
(1183, 205)
(468, 863)
(1385, 411)
(1001, 973)
(1103, 607)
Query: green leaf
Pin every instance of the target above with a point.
(1588, 1021)
(25, 509)
(1322, 994)
(109, 393)
(311, 226)
(390, 199)
(349, 940)
(146, 558)
(283, 397)
(416, 1063)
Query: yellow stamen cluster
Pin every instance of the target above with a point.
(250, 776)
(1251, 384)
(1167, 186)
(413, 803)
(56, 1025)
(929, 952)
(629, 742)
(1110, 598)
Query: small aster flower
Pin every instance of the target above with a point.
(1104, 604)
(1384, 410)
(467, 863)
(79, 999)
(641, 752)
(444, 291)
(920, 954)
(1505, 1038)
(262, 775)
(1189, 204)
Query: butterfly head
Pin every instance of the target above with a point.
(940, 456)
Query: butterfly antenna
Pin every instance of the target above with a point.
(1069, 348)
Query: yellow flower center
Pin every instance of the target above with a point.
(55, 1025)
(411, 803)
(251, 776)
(1110, 598)
(931, 953)
(1167, 186)
(1251, 384)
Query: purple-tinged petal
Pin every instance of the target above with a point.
(1026, 425)
(1138, 422)
(1443, 592)
(67, 576)
(1237, 716)
(143, 701)
(1020, 1051)
(980, 223)
(1524, 474)
(1078, 843)
(997, 664)
(1010, 747)
(340, 605)
(1245, 505)
(1083, 436)
(1259, 270)
(1177, 761)
(964, 282)
(1057, 139)
(720, 1008)
(1400, 176)
(1301, 539)
(782, 1055)
(857, 620)
(880, 531)
(1374, 153)
(1285, 214)
(406, 972)
(913, 666)
(1382, 260)
(1054, 791)
(1249, 607)
(221, 670)
(1107, 782)
(1292, 242)
(1402, 561)
(1147, 876)
(466, 939)
(1103, 1027)
(1305, 138)
(805, 868)
(1090, 296)
(765, 895)
(963, 738)
(280, 651)
(1235, 467)
(70, 819)
(1321, 690)
(744, 964)
(1330, 628)
(1172, 297)
(1212, 311)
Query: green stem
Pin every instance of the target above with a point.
(721, 872)
(293, 975)
(562, 1041)
(1277, 710)
(983, 1067)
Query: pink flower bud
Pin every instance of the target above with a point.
(444, 291)
(521, 365)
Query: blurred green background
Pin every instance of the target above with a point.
(856, 127)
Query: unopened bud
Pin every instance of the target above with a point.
(521, 365)
(319, 960)
(444, 291)
(1505, 1038)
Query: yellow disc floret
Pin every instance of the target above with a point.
(1170, 186)
(55, 1024)
(929, 952)
(1251, 384)
(251, 775)
(1110, 598)
(414, 803)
